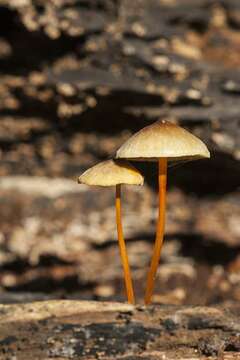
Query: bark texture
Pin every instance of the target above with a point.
(95, 330)
(74, 69)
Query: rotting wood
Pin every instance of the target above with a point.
(90, 330)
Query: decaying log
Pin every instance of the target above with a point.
(95, 330)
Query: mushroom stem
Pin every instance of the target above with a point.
(123, 250)
(162, 179)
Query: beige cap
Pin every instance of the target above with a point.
(112, 173)
(163, 139)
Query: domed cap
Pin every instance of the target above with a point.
(111, 173)
(163, 139)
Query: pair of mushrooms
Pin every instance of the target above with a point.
(162, 142)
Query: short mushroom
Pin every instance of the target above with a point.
(116, 173)
(162, 141)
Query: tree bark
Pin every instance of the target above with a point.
(90, 330)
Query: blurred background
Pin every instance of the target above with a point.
(77, 78)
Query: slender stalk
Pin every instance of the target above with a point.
(123, 250)
(162, 180)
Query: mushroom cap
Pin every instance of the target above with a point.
(163, 139)
(112, 173)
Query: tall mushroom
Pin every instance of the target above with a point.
(116, 173)
(161, 141)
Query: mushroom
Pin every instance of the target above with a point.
(161, 141)
(116, 173)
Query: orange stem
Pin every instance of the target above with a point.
(162, 180)
(123, 250)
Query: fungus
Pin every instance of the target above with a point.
(115, 173)
(161, 141)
